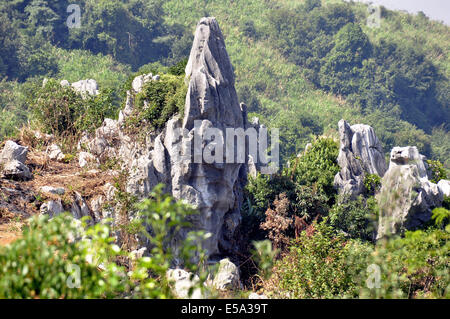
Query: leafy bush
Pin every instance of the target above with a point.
(51, 261)
(319, 265)
(438, 171)
(372, 183)
(164, 97)
(65, 258)
(317, 166)
(415, 266)
(63, 112)
(357, 218)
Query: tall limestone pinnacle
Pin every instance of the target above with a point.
(211, 102)
(170, 155)
(211, 94)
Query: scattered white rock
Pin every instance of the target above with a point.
(444, 186)
(53, 190)
(64, 83)
(227, 277)
(86, 87)
(85, 158)
(54, 153)
(13, 152)
(52, 208)
(182, 282)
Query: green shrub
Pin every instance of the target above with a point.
(63, 112)
(65, 258)
(51, 261)
(438, 171)
(415, 266)
(164, 97)
(357, 218)
(320, 265)
(372, 183)
(317, 166)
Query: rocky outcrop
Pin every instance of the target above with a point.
(169, 157)
(360, 153)
(12, 162)
(444, 186)
(54, 153)
(406, 197)
(227, 277)
(86, 87)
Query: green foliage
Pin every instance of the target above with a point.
(65, 258)
(437, 170)
(372, 183)
(59, 259)
(415, 266)
(165, 98)
(317, 166)
(441, 216)
(320, 265)
(356, 218)
(264, 256)
(63, 112)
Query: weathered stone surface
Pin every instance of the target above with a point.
(406, 197)
(182, 281)
(53, 190)
(360, 153)
(227, 277)
(86, 87)
(444, 186)
(164, 157)
(54, 153)
(52, 208)
(85, 158)
(79, 207)
(16, 170)
(13, 152)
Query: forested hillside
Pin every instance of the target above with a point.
(300, 65)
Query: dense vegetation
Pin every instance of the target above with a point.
(300, 66)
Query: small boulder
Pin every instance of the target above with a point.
(53, 190)
(227, 277)
(52, 208)
(16, 170)
(182, 282)
(444, 186)
(13, 152)
(54, 153)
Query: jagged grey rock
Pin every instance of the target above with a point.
(444, 186)
(164, 157)
(85, 87)
(360, 153)
(227, 276)
(16, 170)
(13, 152)
(54, 153)
(406, 197)
(52, 208)
(79, 207)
